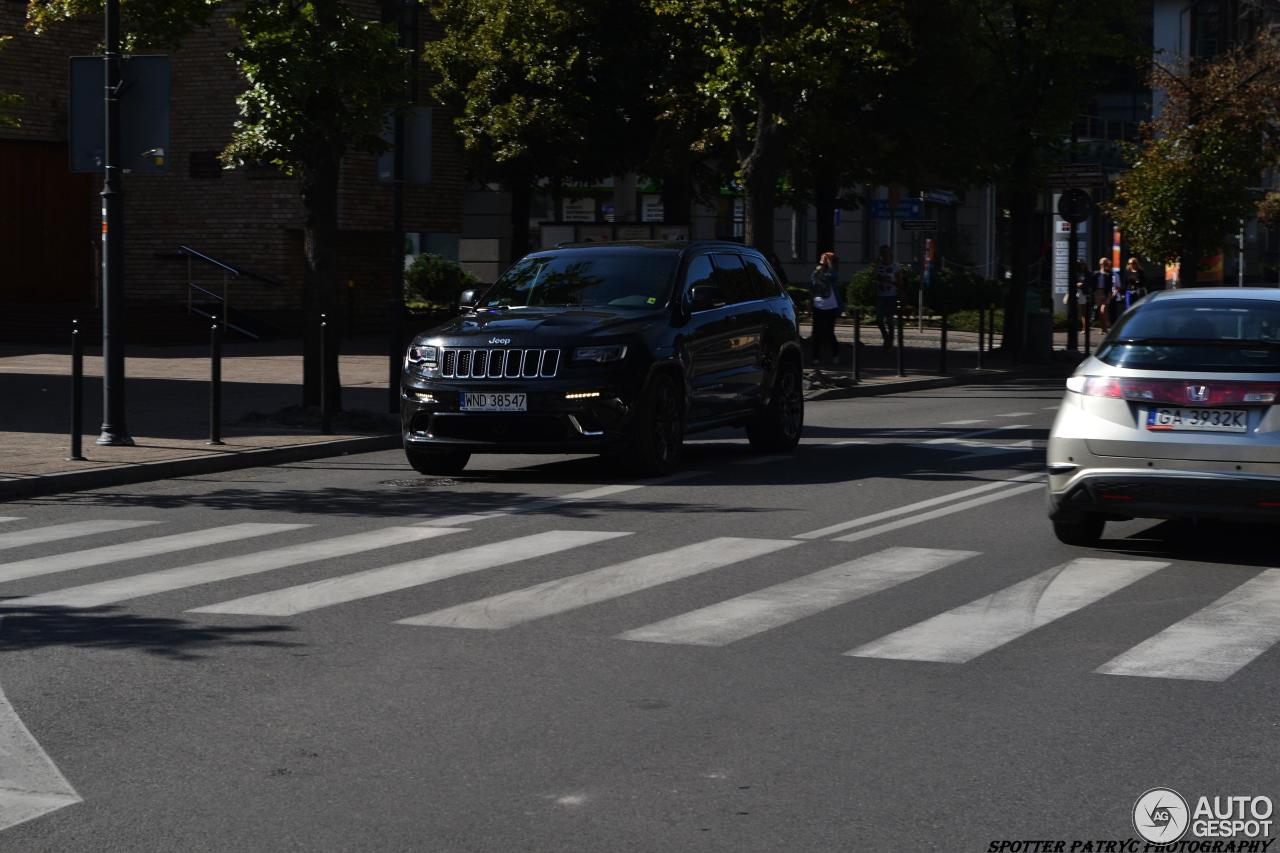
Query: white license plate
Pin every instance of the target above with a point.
(1175, 419)
(490, 402)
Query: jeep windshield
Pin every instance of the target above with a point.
(586, 279)
(1234, 335)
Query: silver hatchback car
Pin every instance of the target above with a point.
(1173, 416)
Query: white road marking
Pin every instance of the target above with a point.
(538, 504)
(1016, 415)
(293, 600)
(71, 530)
(30, 783)
(966, 437)
(134, 550)
(1052, 408)
(1214, 643)
(4, 518)
(994, 450)
(918, 505)
(570, 593)
(938, 513)
(765, 609)
(182, 577)
(976, 628)
(963, 423)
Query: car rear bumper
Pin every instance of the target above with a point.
(1142, 493)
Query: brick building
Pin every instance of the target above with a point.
(249, 218)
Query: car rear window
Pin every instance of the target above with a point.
(1229, 335)
(571, 279)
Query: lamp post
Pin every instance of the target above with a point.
(406, 38)
(114, 429)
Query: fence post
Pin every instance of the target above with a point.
(857, 342)
(326, 427)
(215, 381)
(991, 328)
(942, 357)
(901, 334)
(77, 392)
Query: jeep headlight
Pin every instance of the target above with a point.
(601, 354)
(421, 357)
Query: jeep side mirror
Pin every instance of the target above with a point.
(467, 299)
(705, 296)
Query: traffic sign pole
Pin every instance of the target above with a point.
(114, 429)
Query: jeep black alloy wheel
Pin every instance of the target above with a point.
(437, 461)
(659, 428)
(777, 428)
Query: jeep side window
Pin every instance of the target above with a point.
(762, 280)
(734, 280)
(700, 272)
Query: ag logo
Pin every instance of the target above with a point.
(1160, 815)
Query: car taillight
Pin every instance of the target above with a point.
(1178, 392)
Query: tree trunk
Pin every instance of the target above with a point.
(521, 200)
(677, 193)
(759, 165)
(824, 199)
(1023, 252)
(319, 245)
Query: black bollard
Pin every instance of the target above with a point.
(942, 357)
(326, 427)
(1088, 327)
(215, 382)
(902, 371)
(981, 331)
(857, 342)
(77, 392)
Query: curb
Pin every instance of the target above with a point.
(143, 472)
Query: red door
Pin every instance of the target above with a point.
(46, 225)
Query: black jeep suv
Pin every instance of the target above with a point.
(617, 348)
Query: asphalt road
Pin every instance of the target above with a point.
(592, 664)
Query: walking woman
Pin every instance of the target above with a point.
(824, 285)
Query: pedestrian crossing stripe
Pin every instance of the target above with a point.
(973, 629)
(57, 563)
(1214, 643)
(772, 607)
(168, 580)
(4, 518)
(570, 593)
(293, 600)
(59, 532)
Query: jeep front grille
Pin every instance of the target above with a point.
(503, 363)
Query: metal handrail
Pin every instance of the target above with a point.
(238, 272)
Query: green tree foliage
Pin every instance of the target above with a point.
(1216, 134)
(322, 82)
(145, 22)
(436, 281)
(1038, 61)
(544, 89)
(764, 60)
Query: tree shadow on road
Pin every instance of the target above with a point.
(24, 628)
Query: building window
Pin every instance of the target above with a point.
(417, 150)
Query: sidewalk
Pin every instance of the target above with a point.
(167, 406)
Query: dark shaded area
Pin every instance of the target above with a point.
(24, 628)
(1200, 540)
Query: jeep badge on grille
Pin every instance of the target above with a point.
(500, 341)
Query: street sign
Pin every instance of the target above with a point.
(1067, 175)
(919, 225)
(907, 209)
(144, 114)
(1075, 205)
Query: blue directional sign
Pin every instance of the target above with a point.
(906, 209)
